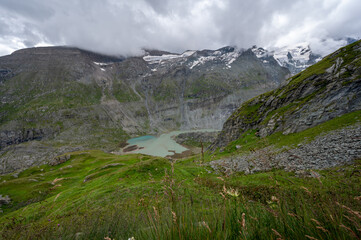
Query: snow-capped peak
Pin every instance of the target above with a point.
(295, 57)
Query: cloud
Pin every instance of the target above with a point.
(125, 27)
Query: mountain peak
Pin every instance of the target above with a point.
(328, 89)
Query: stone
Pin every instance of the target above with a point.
(4, 200)
(60, 159)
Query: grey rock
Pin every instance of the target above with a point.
(204, 137)
(60, 159)
(4, 200)
(318, 154)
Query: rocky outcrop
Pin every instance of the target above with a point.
(333, 149)
(60, 159)
(4, 200)
(322, 92)
(196, 137)
(11, 137)
(28, 154)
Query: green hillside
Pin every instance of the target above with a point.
(96, 195)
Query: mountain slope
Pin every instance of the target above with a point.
(60, 99)
(322, 92)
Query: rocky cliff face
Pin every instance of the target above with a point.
(328, 89)
(59, 99)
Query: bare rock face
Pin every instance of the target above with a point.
(196, 137)
(322, 92)
(11, 137)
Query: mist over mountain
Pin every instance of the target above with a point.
(125, 28)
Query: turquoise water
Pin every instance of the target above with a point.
(135, 141)
(162, 145)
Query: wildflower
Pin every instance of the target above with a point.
(156, 213)
(277, 233)
(206, 225)
(292, 214)
(274, 199)
(254, 218)
(306, 190)
(309, 237)
(222, 195)
(352, 233)
(232, 192)
(315, 221)
(57, 197)
(174, 217)
(243, 224)
(220, 179)
(349, 210)
(56, 180)
(323, 229)
(132, 238)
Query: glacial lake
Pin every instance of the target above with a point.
(162, 145)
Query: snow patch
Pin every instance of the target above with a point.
(226, 58)
(166, 57)
(102, 64)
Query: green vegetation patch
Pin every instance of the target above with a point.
(151, 198)
(123, 93)
(206, 86)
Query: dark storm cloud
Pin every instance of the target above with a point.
(125, 27)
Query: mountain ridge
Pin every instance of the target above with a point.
(55, 100)
(328, 89)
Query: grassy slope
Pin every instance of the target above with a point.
(148, 198)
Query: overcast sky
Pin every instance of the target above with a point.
(124, 27)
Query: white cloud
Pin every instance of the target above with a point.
(125, 27)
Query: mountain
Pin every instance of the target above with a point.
(324, 91)
(60, 99)
(296, 58)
